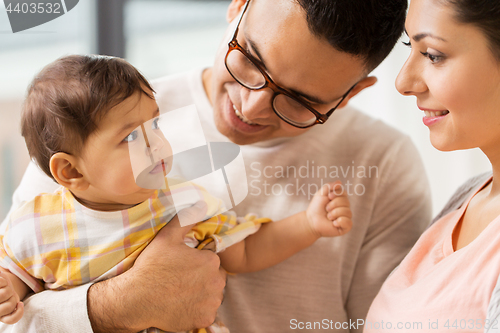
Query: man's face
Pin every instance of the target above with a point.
(276, 34)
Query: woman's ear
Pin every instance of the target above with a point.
(64, 169)
(360, 86)
(234, 9)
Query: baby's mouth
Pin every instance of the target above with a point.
(158, 167)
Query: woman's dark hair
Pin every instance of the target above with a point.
(368, 29)
(484, 14)
(67, 99)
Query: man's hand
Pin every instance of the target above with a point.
(171, 286)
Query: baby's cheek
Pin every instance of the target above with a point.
(123, 181)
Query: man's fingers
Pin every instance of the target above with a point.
(223, 274)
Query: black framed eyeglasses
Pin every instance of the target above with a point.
(287, 105)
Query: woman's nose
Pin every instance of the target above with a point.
(410, 80)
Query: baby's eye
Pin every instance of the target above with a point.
(131, 137)
(155, 123)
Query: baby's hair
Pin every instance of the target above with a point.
(68, 98)
(484, 14)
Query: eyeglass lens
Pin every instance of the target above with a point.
(248, 75)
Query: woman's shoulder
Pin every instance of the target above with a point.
(462, 193)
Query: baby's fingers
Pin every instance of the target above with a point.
(3, 281)
(337, 203)
(9, 305)
(339, 212)
(337, 190)
(15, 316)
(6, 293)
(343, 225)
(327, 188)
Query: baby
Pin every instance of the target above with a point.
(81, 119)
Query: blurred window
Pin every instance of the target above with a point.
(166, 37)
(22, 55)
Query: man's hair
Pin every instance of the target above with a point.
(368, 29)
(485, 15)
(68, 98)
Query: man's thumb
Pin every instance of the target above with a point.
(193, 214)
(184, 220)
(174, 230)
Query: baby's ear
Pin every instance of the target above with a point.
(64, 168)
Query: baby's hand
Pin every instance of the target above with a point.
(328, 213)
(11, 309)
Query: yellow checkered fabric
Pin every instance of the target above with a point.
(54, 242)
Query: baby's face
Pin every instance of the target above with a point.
(127, 158)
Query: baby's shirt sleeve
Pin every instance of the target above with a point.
(17, 248)
(220, 228)
(221, 231)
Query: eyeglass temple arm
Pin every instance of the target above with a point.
(239, 21)
(340, 102)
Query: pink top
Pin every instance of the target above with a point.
(437, 289)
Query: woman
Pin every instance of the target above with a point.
(446, 281)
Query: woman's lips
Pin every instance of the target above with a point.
(432, 116)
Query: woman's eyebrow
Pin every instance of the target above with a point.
(422, 35)
(419, 37)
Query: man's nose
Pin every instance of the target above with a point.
(257, 104)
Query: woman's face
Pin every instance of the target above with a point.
(455, 77)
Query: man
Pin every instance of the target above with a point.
(274, 90)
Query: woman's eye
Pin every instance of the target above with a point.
(155, 123)
(408, 43)
(131, 137)
(433, 58)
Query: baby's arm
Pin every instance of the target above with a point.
(328, 215)
(12, 291)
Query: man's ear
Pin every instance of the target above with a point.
(234, 9)
(360, 86)
(64, 169)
